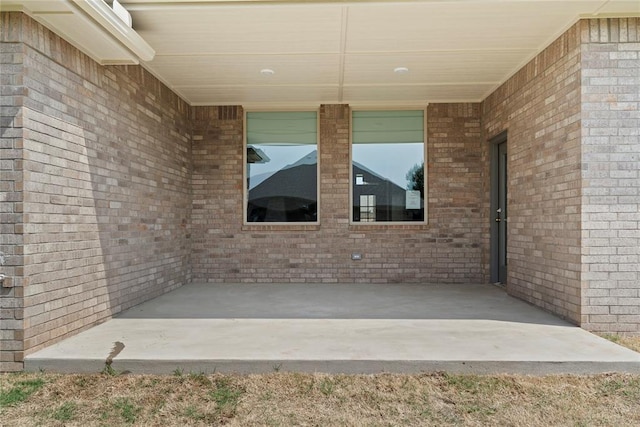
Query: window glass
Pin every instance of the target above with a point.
(388, 166)
(282, 167)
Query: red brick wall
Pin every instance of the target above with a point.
(448, 249)
(540, 108)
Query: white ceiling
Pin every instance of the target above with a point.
(332, 51)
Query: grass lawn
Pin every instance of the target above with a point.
(285, 399)
(630, 342)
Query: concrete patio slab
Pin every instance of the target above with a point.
(355, 328)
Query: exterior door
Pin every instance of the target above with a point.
(499, 211)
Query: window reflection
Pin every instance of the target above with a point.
(388, 182)
(388, 166)
(282, 171)
(283, 186)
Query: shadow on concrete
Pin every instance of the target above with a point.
(340, 301)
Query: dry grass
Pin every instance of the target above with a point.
(285, 399)
(627, 341)
(289, 399)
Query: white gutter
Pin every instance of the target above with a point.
(116, 24)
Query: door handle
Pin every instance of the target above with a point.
(498, 220)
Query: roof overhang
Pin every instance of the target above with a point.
(100, 29)
(322, 52)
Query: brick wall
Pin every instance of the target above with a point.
(12, 92)
(540, 108)
(611, 174)
(106, 186)
(446, 250)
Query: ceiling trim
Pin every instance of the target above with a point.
(343, 49)
(350, 53)
(335, 85)
(398, 104)
(147, 4)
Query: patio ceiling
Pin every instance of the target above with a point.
(212, 52)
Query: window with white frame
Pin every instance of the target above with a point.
(281, 166)
(387, 161)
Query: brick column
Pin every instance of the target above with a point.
(216, 185)
(611, 175)
(11, 196)
(334, 165)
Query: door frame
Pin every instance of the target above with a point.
(494, 143)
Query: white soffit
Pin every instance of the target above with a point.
(339, 51)
(192, 30)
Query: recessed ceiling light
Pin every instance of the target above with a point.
(401, 70)
(267, 72)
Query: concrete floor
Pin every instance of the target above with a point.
(354, 328)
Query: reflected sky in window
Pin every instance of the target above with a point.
(391, 161)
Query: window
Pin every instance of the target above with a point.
(281, 166)
(387, 160)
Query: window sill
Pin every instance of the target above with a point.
(281, 227)
(354, 226)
